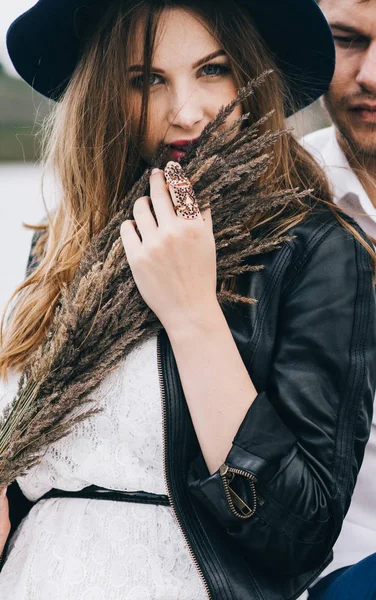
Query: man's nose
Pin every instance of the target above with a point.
(186, 110)
(366, 77)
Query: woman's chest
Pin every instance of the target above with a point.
(121, 447)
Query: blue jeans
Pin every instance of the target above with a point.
(357, 582)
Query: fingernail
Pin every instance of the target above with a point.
(154, 171)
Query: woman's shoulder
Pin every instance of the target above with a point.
(324, 244)
(326, 255)
(329, 230)
(324, 250)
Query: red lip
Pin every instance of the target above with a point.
(182, 143)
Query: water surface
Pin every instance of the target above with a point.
(20, 202)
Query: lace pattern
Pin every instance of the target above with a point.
(79, 549)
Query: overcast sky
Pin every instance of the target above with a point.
(9, 11)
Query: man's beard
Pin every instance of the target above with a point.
(360, 142)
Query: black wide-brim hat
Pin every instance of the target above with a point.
(45, 43)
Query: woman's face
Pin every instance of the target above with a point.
(190, 80)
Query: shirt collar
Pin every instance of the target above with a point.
(345, 184)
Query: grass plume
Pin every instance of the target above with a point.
(101, 316)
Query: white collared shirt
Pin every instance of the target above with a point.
(358, 536)
(347, 190)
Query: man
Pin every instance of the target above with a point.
(347, 151)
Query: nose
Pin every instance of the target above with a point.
(366, 77)
(186, 109)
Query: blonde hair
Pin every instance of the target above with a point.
(94, 150)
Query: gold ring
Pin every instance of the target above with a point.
(181, 191)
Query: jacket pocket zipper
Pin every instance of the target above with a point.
(168, 487)
(237, 506)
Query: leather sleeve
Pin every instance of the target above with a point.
(304, 436)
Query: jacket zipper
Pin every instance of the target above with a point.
(167, 482)
(237, 506)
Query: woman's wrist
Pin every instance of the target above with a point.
(205, 320)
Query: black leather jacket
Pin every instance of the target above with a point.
(309, 345)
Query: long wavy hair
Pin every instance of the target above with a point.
(93, 147)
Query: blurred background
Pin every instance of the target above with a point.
(21, 112)
(22, 198)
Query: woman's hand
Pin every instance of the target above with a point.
(174, 267)
(173, 260)
(4, 519)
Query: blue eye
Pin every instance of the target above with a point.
(215, 70)
(138, 82)
(152, 79)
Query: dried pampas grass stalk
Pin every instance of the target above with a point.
(101, 315)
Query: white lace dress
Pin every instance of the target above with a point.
(78, 549)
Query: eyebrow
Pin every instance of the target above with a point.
(347, 29)
(194, 66)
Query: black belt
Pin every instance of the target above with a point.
(93, 492)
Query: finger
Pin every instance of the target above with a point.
(207, 217)
(129, 237)
(160, 197)
(144, 218)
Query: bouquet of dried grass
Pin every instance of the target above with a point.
(101, 315)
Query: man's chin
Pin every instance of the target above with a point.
(359, 136)
(357, 130)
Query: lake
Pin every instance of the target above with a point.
(21, 201)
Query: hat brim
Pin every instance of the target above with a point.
(44, 45)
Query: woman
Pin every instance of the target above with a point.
(265, 407)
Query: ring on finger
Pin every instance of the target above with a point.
(181, 191)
